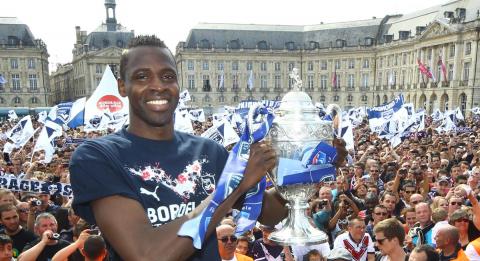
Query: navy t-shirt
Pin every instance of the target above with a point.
(168, 178)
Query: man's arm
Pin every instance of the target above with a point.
(123, 221)
(65, 252)
(33, 253)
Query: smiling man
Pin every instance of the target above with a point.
(142, 183)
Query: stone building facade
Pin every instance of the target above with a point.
(23, 66)
(91, 54)
(357, 63)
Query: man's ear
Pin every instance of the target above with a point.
(82, 251)
(122, 89)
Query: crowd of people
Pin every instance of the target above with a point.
(415, 201)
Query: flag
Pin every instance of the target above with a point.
(391, 79)
(221, 84)
(185, 96)
(77, 112)
(42, 116)
(21, 132)
(12, 115)
(222, 133)
(2, 79)
(49, 132)
(347, 134)
(250, 81)
(423, 69)
(52, 114)
(334, 79)
(444, 68)
(183, 122)
(197, 115)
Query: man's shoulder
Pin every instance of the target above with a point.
(186, 137)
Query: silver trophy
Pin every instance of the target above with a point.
(297, 125)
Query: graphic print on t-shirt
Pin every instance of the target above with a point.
(184, 185)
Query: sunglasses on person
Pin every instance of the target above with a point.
(409, 191)
(231, 238)
(453, 203)
(23, 210)
(380, 240)
(381, 213)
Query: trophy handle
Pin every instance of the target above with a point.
(336, 112)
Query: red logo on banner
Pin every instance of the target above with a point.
(109, 102)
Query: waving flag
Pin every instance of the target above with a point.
(221, 84)
(423, 69)
(183, 122)
(334, 79)
(444, 68)
(223, 134)
(49, 132)
(21, 132)
(12, 115)
(42, 116)
(197, 115)
(77, 112)
(2, 79)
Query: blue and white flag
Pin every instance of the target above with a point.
(77, 113)
(475, 110)
(42, 116)
(250, 81)
(223, 134)
(21, 132)
(185, 96)
(45, 140)
(347, 134)
(377, 116)
(182, 121)
(12, 115)
(197, 115)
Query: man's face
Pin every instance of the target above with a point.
(408, 192)
(6, 252)
(435, 162)
(325, 193)
(416, 256)
(422, 211)
(385, 245)
(44, 225)
(242, 247)
(10, 220)
(374, 172)
(357, 230)
(151, 86)
(372, 190)
(441, 239)
(410, 218)
(389, 202)
(23, 210)
(227, 242)
(379, 214)
(454, 203)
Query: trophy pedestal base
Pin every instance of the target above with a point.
(297, 229)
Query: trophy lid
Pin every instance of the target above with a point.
(296, 100)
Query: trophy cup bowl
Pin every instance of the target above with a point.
(297, 125)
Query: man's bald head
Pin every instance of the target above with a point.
(451, 233)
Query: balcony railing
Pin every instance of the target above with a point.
(15, 90)
(423, 85)
(264, 89)
(433, 85)
(33, 90)
(445, 84)
(464, 83)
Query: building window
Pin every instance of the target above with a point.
(263, 66)
(98, 68)
(451, 52)
(16, 82)
(366, 63)
(291, 66)
(337, 64)
(236, 99)
(396, 60)
(450, 72)
(364, 80)
(206, 99)
(350, 98)
(404, 59)
(351, 64)
(193, 98)
(31, 63)
(206, 83)
(323, 82)
(235, 66)
(277, 66)
(191, 82)
(322, 98)
(336, 98)
(323, 65)
(278, 82)
(221, 98)
(17, 100)
(190, 65)
(466, 71)
(34, 100)
(380, 76)
(468, 48)
(380, 63)
(351, 81)
(235, 81)
(205, 65)
(14, 63)
(310, 66)
(263, 82)
(220, 66)
(220, 81)
(249, 66)
(32, 79)
(364, 98)
(310, 82)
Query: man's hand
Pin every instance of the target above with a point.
(82, 237)
(262, 159)
(342, 152)
(46, 236)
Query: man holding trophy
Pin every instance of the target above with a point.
(144, 186)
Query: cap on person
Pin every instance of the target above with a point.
(444, 179)
(339, 254)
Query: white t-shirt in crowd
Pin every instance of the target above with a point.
(359, 251)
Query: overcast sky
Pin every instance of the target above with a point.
(54, 21)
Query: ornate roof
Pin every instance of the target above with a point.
(12, 31)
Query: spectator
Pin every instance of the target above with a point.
(243, 246)
(466, 227)
(424, 253)
(423, 229)
(356, 241)
(410, 218)
(264, 247)
(380, 213)
(20, 237)
(390, 236)
(67, 252)
(447, 241)
(94, 248)
(340, 254)
(44, 248)
(6, 248)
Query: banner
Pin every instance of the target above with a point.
(223, 134)
(21, 132)
(35, 186)
(183, 122)
(49, 132)
(197, 115)
(105, 104)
